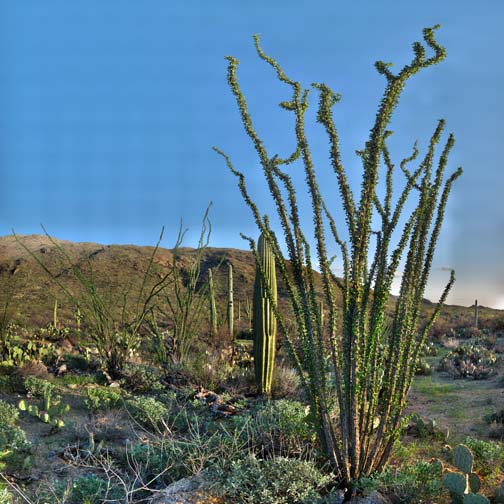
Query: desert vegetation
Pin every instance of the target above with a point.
(142, 374)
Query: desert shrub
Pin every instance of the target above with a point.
(20, 352)
(423, 368)
(100, 399)
(279, 427)
(147, 411)
(440, 328)
(174, 457)
(488, 455)
(139, 378)
(286, 382)
(468, 332)
(274, 481)
(424, 428)
(469, 361)
(429, 349)
(8, 414)
(5, 496)
(414, 483)
(12, 438)
(89, 489)
(37, 387)
(78, 362)
(496, 425)
(52, 333)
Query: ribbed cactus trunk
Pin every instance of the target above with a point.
(475, 314)
(230, 305)
(264, 321)
(55, 313)
(213, 305)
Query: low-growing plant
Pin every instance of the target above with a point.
(278, 480)
(147, 411)
(5, 496)
(101, 399)
(425, 428)
(423, 368)
(37, 387)
(488, 456)
(281, 427)
(415, 483)
(8, 414)
(89, 489)
(469, 361)
(12, 438)
(140, 378)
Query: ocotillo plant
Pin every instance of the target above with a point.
(372, 360)
(230, 304)
(264, 320)
(213, 305)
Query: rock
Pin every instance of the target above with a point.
(373, 498)
(193, 490)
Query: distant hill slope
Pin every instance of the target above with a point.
(117, 268)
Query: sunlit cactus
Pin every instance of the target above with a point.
(264, 320)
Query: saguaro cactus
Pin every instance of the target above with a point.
(264, 321)
(475, 314)
(213, 306)
(55, 313)
(230, 309)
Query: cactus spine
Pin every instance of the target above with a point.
(230, 309)
(213, 306)
(476, 313)
(264, 321)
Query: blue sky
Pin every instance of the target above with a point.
(109, 109)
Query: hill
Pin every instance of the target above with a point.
(118, 269)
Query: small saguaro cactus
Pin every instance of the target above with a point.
(230, 305)
(55, 314)
(213, 305)
(264, 320)
(464, 487)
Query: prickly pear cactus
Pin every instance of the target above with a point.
(473, 498)
(456, 483)
(49, 411)
(464, 487)
(463, 459)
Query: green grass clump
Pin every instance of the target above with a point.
(430, 387)
(89, 489)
